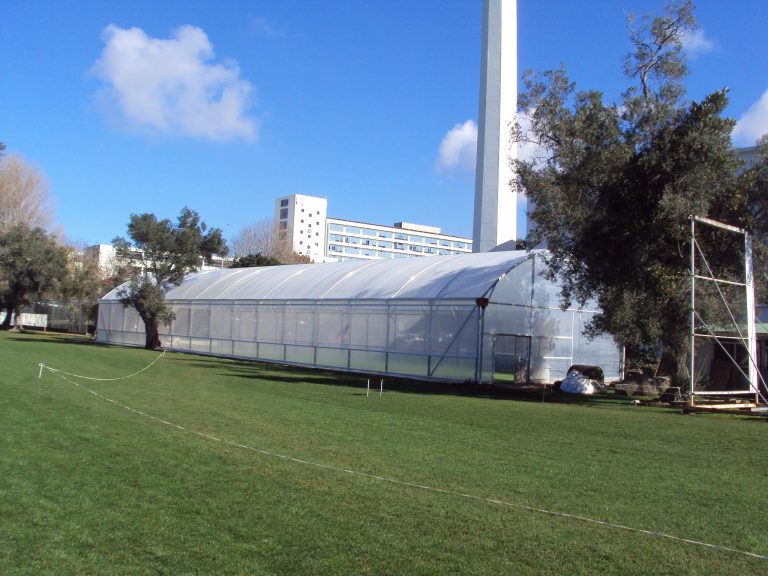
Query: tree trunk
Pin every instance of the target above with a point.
(676, 365)
(682, 375)
(17, 318)
(152, 336)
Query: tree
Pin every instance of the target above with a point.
(253, 260)
(164, 253)
(23, 195)
(86, 282)
(613, 197)
(31, 264)
(262, 238)
(751, 201)
(256, 238)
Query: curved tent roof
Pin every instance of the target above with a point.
(460, 276)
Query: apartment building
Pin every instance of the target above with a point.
(108, 262)
(303, 222)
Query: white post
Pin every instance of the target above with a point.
(693, 308)
(751, 332)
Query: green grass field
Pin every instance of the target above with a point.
(90, 487)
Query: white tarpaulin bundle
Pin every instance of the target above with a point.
(577, 383)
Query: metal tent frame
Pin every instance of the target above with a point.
(748, 340)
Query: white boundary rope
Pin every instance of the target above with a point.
(56, 371)
(397, 482)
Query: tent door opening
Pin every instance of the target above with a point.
(511, 358)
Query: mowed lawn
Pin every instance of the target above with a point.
(329, 481)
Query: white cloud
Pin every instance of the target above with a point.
(172, 86)
(696, 42)
(458, 149)
(265, 27)
(753, 123)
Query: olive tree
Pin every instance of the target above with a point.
(614, 190)
(162, 253)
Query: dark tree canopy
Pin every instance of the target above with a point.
(163, 253)
(32, 264)
(613, 196)
(253, 260)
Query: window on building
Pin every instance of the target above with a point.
(385, 244)
(401, 236)
(351, 240)
(334, 248)
(353, 230)
(284, 202)
(385, 234)
(444, 242)
(399, 246)
(416, 239)
(432, 241)
(416, 249)
(283, 225)
(335, 227)
(351, 250)
(369, 232)
(283, 213)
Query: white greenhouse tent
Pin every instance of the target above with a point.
(471, 317)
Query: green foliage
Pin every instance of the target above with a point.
(170, 250)
(252, 260)
(658, 60)
(613, 198)
(31, 264)
(89, 487)
(751, 202)
(163, 252)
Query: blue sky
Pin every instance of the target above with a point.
(145, 106)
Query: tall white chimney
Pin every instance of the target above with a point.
(495, 202)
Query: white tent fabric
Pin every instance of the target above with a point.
(461, 276)
(416, 317)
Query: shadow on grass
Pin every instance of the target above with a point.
(38, 337)
(256, 370)
(276, 372)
